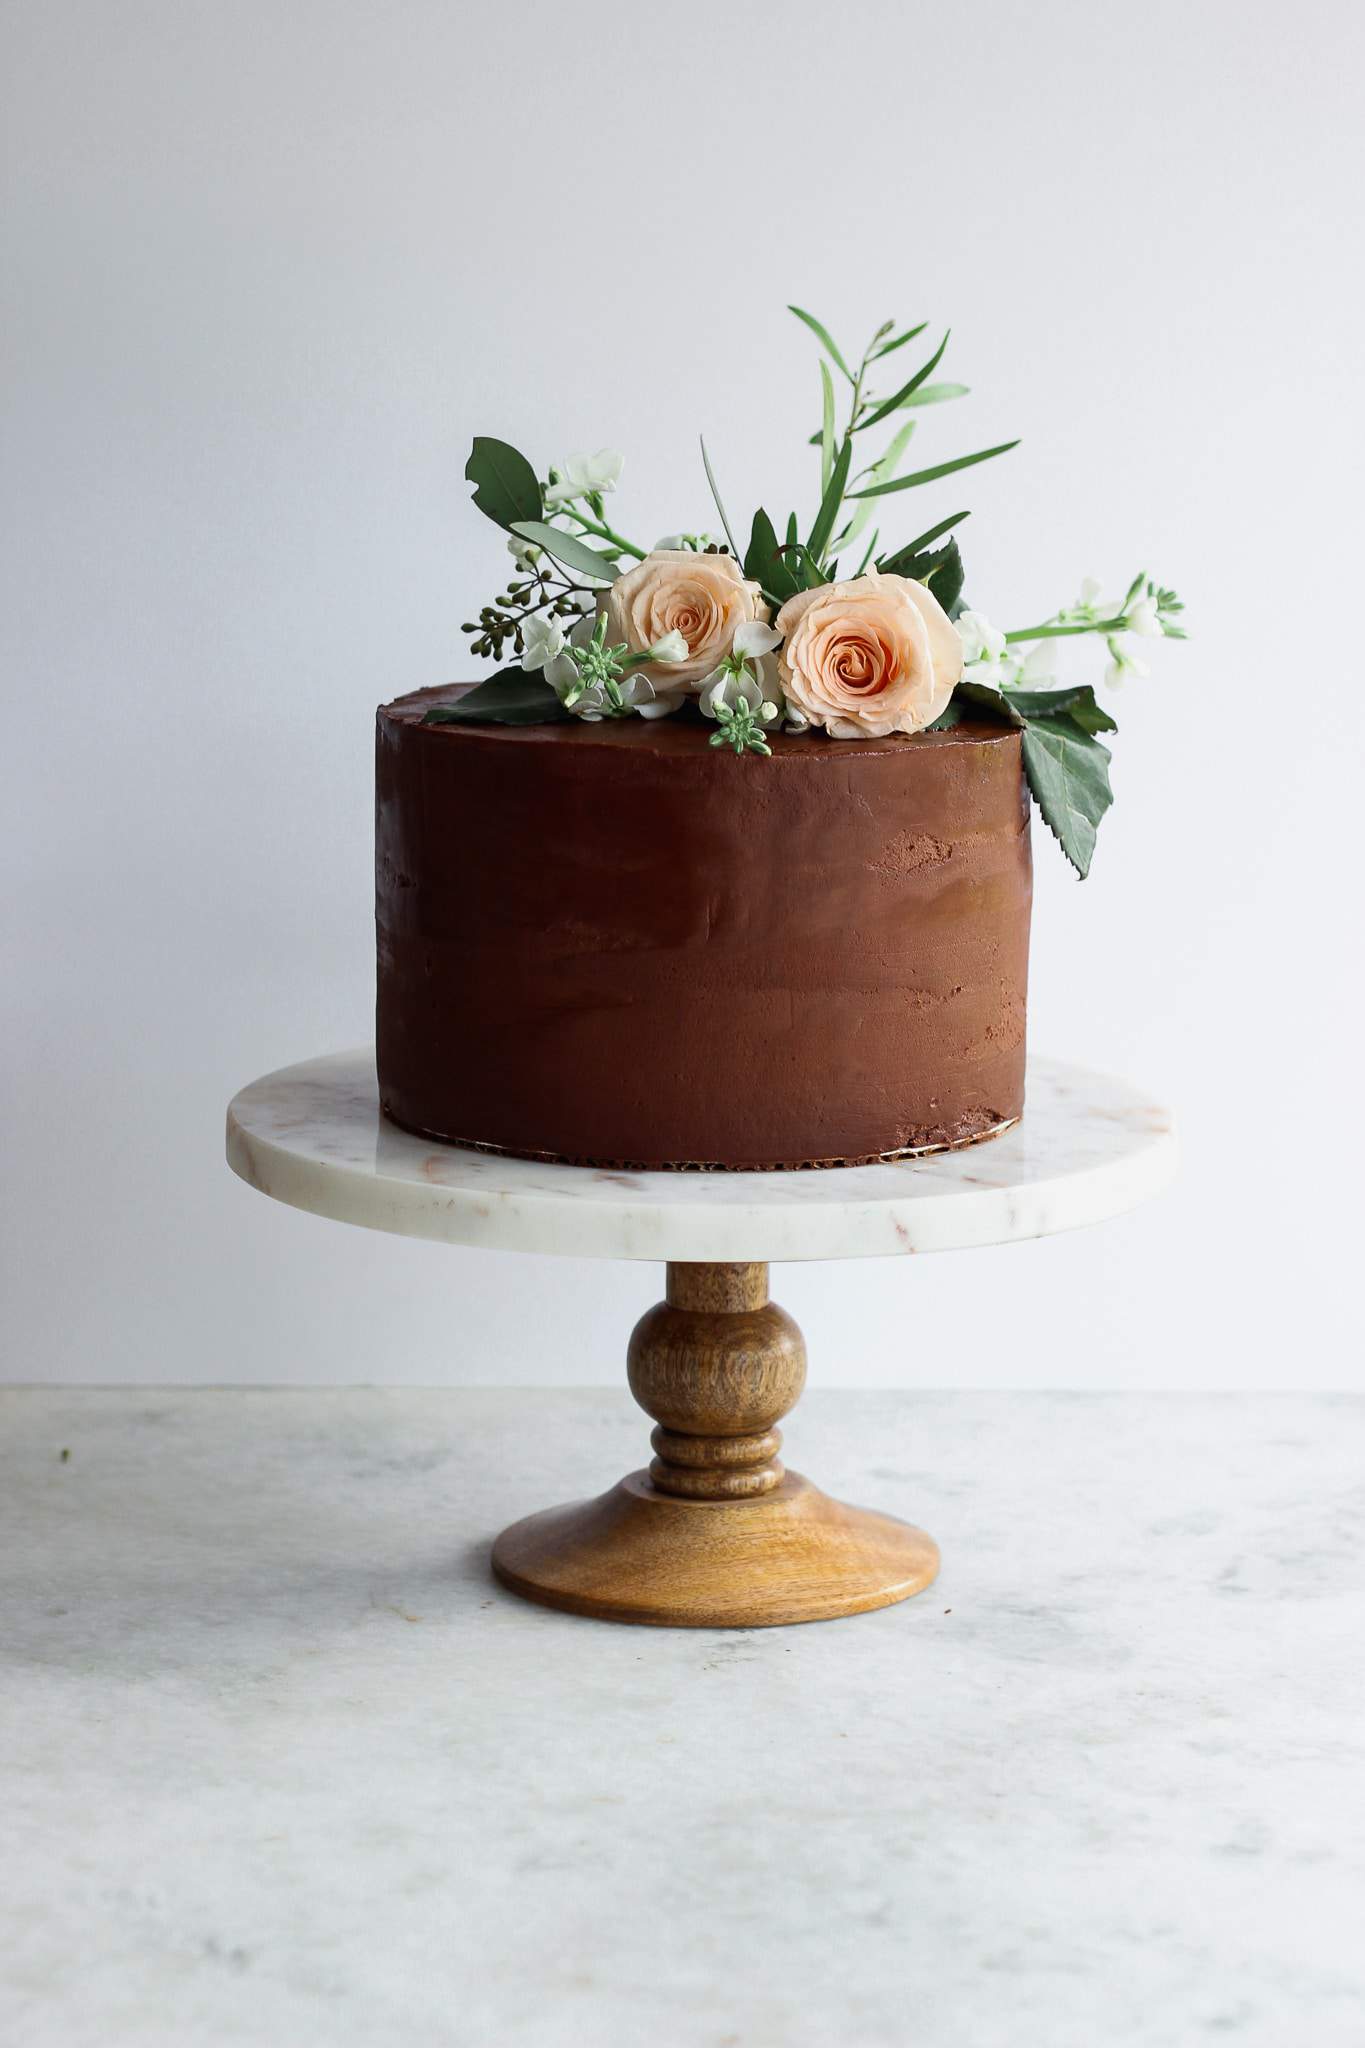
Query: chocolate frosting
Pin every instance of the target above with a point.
(617, 945)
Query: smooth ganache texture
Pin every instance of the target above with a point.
(620, 946)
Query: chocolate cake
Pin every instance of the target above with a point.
(615, 944)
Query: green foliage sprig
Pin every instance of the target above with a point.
(566, 552)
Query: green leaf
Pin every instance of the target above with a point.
(505, 486)
(929, 476)
(936, 394)
(922, 540)
(886, 466)
(1068, 772)
(941, 571)
(711, 480)
(809, 573)
(907, 391)
(568, 549)
(825, 339)
(511, 697)
(764, 563)
(979, 696)
(826, 425)
(830, 503)
(1078, 704)
(900, 341)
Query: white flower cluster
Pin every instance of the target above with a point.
(988, 658)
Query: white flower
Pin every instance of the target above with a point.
(524, 553)
(686, 543)
(582, 476)
(1143, 618)
(561, 670)
(735, 686)
(753, 640)
(981, 641)
(672, 647)
(1035, 671)
(542, 642)
(1123, 663)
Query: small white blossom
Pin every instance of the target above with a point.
(989, 659)
(733, 686)
(1123, 663)
(524, 553)
(672, 647)
(542, 642)
(685, 543)
(583, 476)
(753, 640)
(1143, 618)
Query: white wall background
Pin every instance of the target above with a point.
(269, 264)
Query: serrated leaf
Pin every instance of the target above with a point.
(907, 390)
(1068, 772)
(929, 476)
(824, 337)
(940, 571)
(987, 699)
(1078, 704)
(511, 697)
(830, 503)
(505, 485)
(566, 548)
(826, 425)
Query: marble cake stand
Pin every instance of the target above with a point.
(715, 1533)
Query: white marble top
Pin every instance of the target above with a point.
(1088, 1147)
(281, 1766)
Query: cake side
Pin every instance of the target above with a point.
(616, 945)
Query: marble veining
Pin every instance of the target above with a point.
(1088, 1148)
(281, 1766)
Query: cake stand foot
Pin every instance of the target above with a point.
(715, 1534)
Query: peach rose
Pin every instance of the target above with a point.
(703, 597)
(875, 655)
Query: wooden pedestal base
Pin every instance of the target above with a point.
(715, 1534)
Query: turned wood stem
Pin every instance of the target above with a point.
(717, 1365)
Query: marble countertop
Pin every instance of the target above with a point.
(281, 1765)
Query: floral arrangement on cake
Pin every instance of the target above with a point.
(834, 630)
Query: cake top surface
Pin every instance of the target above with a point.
(680, 735)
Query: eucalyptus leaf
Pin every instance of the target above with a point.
(826, 424)
(568, 549)
(923, 540)
(511, 697)
(1068, 772)
(824, 337)
(929, 476)
(830, 503)
(885, 467)
(907, 391)
(900, 341)
(936, 394)
(505, 485)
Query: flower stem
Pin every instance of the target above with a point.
(1065, 632)
(604, 532)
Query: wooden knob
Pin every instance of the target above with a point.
(717, 1365)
